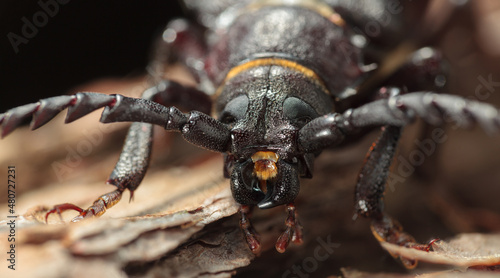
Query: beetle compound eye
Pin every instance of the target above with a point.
(235, 110)
(298, 111)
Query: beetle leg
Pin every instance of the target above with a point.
(171, 93)
(61, 208)
(134, 158)
(97, 209)
(370, 191)
(133, 163)
(396, 25)
(394, 112)
(251, 235)
(372, 178)
(293, 230)
(424, 70)
(387, 229)
(181, 41)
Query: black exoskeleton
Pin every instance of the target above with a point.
(286, 82)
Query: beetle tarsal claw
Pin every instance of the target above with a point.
(61, 208)
(293, 231)
(389, 230)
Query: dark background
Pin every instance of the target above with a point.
(83, 41)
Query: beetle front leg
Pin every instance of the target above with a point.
(97, 209)
(370, 192)
(180, 40)
(372, 178)
(134, 158)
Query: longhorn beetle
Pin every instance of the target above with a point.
(284, 80)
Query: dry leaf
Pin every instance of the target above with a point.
(465, 250)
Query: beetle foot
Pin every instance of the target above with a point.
(293, 230)
(97, 209)
(423, 247)
(251, 235)
(389, 230)
(61, 208)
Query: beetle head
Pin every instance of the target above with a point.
(265, 107)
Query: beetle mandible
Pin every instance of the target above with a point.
(284, 80)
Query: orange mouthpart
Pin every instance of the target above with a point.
(265, 165)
